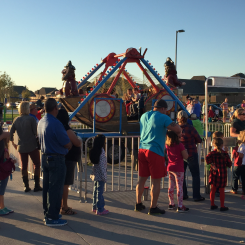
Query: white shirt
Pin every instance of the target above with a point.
(241, 149)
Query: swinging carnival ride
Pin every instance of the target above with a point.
(109, 116)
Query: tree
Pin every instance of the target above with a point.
(6, 86)
(26, 94)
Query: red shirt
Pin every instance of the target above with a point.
(210, 113)
(39, 115)
(175, 158)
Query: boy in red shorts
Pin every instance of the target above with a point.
(153, 127)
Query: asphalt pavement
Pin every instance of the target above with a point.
(122, 225)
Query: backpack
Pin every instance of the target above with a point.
(6, 168)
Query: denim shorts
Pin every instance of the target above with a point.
(3, 185)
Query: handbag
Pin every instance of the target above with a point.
(6, 168)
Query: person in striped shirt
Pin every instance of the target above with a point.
(225, 110)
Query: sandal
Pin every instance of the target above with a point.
(68, 211)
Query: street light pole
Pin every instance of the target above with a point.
(176, 46)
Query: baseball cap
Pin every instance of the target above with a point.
(160, 104)
(182, 114)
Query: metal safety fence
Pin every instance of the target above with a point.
(122, 167)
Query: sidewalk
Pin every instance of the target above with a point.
(122, 225)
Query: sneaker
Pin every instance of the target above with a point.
(55, 222)
(9, 210)
(60, 216)
(94, 210)
(182, 210)
(224, 209)
(139, 207)
(3, 212)
(156, 211)
(213, 207)
(233, 192)
(171, 207)
(103, 212)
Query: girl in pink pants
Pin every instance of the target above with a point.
(176, 154)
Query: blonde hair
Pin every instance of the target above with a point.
(237, 112)
(24, 108)
(242, 136)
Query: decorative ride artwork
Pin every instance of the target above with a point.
(165, 96)
(105, 109)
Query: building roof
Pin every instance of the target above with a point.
(239, 75)
(19, 90)
(45, 90)
(201, 78)
(193, 87)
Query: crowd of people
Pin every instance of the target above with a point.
(166, 148)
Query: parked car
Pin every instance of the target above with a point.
(17, 104)
(214, 107)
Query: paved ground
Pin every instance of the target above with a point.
(122, 225)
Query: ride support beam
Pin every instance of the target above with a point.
(165, 86)
(129, 79)
(90, 75)
(116, 78)
(81, 105)
(147, 75)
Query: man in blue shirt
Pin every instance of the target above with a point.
(197, 109)
(33, 111)
(153, 128)
(54, 146)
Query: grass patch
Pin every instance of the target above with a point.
(9, 117)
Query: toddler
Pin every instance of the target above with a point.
(219, 161)
(99, 174)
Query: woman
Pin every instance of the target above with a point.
(71, 159)
(190, 138)
(190, 107)
(26, 127)
(238, 123)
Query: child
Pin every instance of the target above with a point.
(176, 153)
(232, 111)
(218, 134)
(4, 182)
(219, 161)
(239, 169)
(99, 175)
(210, 114)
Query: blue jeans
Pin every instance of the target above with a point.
(98, 199)
(54, 172)
(237, 172)
(192, 163)
(3, 185)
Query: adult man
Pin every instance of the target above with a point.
(224, 107)
(197, 109)
(33, 111)
(40, 103)
(54, 146)
(153, 128)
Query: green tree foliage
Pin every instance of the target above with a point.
(6, 86)
(26, 94)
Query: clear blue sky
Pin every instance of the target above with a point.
(39, 37)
